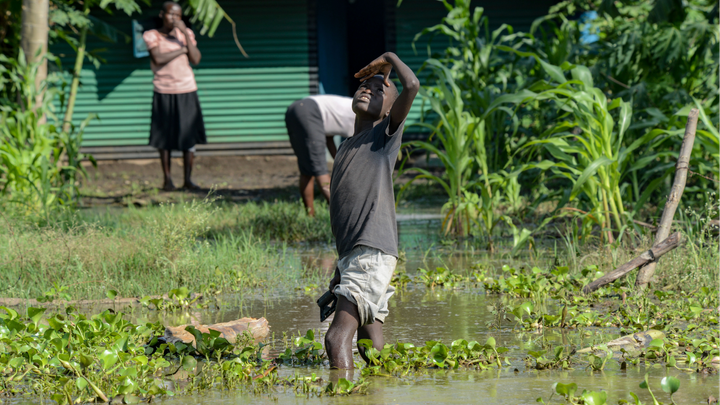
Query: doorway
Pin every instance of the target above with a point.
(350, 34)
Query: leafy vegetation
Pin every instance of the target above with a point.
(39, 160)
(505, 114)
(200, 245)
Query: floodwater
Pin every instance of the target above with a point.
(418, 315)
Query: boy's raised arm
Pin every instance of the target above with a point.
(383, 65)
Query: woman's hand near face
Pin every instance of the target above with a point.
(180, 24)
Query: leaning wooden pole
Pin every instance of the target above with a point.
(681, 170)
(648, 257)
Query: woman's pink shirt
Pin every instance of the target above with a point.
(176, 76)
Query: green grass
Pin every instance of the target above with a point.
(201, 245)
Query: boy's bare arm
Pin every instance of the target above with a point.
(383, 65)
(411, 86)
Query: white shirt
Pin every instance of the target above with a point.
(337, 114)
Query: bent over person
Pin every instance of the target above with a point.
(362, 209)
(177, 121)
(311, 124)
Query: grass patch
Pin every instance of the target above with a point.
(200, 245)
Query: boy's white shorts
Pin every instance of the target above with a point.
(365, 275)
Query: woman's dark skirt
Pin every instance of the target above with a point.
(307, 136)
(177, 121)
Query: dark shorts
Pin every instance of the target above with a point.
(177, 121)
(307, 136)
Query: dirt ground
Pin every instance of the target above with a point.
(236, 178)
(137, 182)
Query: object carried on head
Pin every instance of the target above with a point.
(327, 304)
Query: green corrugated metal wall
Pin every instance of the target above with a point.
(414, 15)
(243, 100)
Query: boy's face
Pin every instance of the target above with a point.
(373, 99)
(170, 13)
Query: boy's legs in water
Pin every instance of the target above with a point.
(307, 190)
(165, 163)
(338, 340)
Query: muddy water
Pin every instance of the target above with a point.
(422, 246)
(418, 315)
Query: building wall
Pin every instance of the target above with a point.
(243, 100)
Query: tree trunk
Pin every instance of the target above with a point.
(34, 35)
(681, 170)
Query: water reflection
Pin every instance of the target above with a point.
(418, 315)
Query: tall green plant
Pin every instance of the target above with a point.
(481, 70)
(458, 138)
(457, 132)
(587, 143)
(33, 173)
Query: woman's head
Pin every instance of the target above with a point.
(170, 12)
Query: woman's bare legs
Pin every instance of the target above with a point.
(188, 157)
(165, 163)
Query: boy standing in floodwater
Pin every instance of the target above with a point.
(362, 208)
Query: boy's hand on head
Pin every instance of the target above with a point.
(380, 66)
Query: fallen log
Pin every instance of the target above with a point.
(635, 341)
(649, 256)
(681, 170)
(258, 328)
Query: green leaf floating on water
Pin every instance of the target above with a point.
(345, 385)
(439, 354)
(109, 358)
(81, 383)
(594, 397)
(670, 384)
(657, 343)
(566, 390)
(189, 363)
(34, 314)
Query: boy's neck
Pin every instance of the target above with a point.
(363, 124)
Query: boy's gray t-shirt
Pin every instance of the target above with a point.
(362, 201)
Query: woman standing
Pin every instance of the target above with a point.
(177, 121)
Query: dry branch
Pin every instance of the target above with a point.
(681, 172)
(649, 257)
